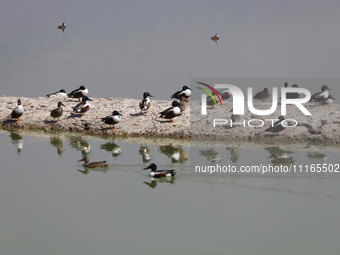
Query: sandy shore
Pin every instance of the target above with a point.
(322, 126)
(37, 116)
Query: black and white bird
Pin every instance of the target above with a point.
(112, 119)
(186, 92)
(83, 106)
(320, 96)
(144, 105)
(171, 112)
(17, 112)
(277, 126)
(79, 93)
(159, 173)
(61, 93)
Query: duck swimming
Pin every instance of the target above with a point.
(276, 159)
(112, 119)
(171, 112)
(215, 38)
(93, 164)
(159, 173)
(63, 26)
(57, 113)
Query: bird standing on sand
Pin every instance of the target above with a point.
(159, 173)
(57, 113)
(277, 126)
(79, 93)
(186, 92)
(320, 96)
(263, 95)
(144, 105)
(17, 112)
(184, 103)
(112, 119)
(328, 100)
(215, 38)
(171, 112)
(82, 107)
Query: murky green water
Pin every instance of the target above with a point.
(51, 204)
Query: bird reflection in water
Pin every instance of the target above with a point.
(211, 155)
(154, 181)
(279, 151)
(17, 140)
(87, 170)
(144, 151)
(111, 146)
(80, 144)
(235, 153)
(177, 154)
(58, 143)
(316, 155)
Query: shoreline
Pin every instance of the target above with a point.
(321, 127)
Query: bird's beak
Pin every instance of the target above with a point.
(271, 156)
(150, 96)
(146, 168)
(180, 104)
(81, 160)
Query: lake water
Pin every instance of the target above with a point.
(51, 204)
(123, 48)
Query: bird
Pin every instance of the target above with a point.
(58, 112)
(184, 103)
(17, 112)
(144, 105)
(277, 126)
(63, 26)
(276, 159)
(225, 94)
(215, 38)
(93, 164)
(186, 92)
(211, 101)
(263, 95)
(159, 173)
(236, 118)
(293, 95)
(112, 119)
(83, 106)
(328, 100)
(320, 96)
(78, 93)
(171, 112)
(61, 92)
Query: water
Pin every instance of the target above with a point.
(123, 48)
(50, 204)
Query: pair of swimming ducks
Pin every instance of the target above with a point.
(153, 173)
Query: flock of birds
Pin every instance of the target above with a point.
(83, 106)
(323, 98)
